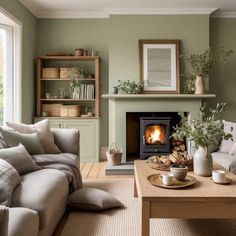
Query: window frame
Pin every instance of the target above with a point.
(12, 88)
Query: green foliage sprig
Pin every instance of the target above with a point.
(75, 74)
(206, 130)
(130, 87)
(202, 63)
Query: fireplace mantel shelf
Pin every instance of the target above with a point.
(138, 96)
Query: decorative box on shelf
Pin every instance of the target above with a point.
(70, 110)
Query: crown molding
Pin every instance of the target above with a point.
(224, 14)
(106, 12)
(160, 11)
(71, 14)
(30, 6)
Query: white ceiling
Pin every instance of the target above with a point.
(104, 8)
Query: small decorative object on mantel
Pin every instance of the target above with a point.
(202, 64)
(130, 87)
(189, 83)
(114, 90)
(205, 131)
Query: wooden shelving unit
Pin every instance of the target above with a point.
(44, 62)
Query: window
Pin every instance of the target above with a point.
(10, 68)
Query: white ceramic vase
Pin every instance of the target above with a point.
(202, 162)
(199, 85)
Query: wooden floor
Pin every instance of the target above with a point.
(97, 171)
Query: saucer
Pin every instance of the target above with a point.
(227, 181)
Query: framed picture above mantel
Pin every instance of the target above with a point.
(159, 65)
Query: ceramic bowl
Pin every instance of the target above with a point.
(179, 173)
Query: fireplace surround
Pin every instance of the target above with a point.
(120, 104)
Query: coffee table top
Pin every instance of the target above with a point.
(203, 190)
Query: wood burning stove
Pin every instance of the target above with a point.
(154, 136)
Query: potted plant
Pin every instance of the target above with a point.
(130, 87)
(74, 89)
(205, 131)
(202, 64)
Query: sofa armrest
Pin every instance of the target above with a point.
(4, 219)
(67, 140)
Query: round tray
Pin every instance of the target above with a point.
(156, 181)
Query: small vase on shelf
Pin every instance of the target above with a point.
(199, 85)
(202, 162)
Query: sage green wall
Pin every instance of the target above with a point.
(125, 31)
(116, 38)
(223, 77)
(28, 55)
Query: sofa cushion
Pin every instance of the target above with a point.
(43, 191)
(43, 130)
(4, 218)
(9, 179)
(23, 221)
(226, 145)
(30, 141)
(223, 159)
(19, 158)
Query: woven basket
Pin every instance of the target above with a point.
(114, 155)
(166, 166)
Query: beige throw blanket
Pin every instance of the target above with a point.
(64, 163)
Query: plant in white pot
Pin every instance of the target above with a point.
(202, 64)
(205, 131)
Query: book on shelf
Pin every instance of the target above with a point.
(87, 91)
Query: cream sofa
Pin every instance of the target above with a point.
(39, 202)
(226, 154)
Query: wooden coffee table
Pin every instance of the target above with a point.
(204, 200)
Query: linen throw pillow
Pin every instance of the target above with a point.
(9, 179)
(30, 141)
(19, 158)
(226, 145)
(92, 199)
(43, 130)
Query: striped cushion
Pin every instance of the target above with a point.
(9, 179)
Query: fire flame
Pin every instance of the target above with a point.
(155, 134)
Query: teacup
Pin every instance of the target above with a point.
(179, 173)
(167, 179)
(218, 176)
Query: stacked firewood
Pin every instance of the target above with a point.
(178, 156)
(179, 153)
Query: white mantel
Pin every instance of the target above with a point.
(147, 96)
(120, 104)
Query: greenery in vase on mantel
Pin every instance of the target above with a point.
(203, 63)
(206, 130)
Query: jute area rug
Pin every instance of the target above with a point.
(126, 222)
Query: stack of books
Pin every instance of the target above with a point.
(87, 91)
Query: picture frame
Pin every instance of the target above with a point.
(159, 65)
